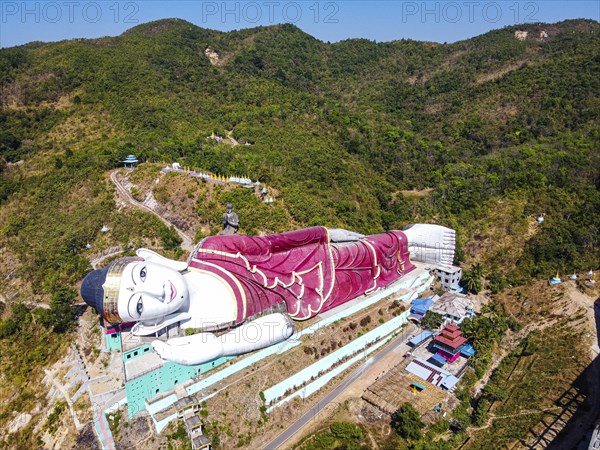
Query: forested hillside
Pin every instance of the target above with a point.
(487, 134)
(338, 128)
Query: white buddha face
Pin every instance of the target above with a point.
(150, 291)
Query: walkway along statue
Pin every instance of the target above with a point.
(245, 292)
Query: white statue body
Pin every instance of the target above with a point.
(253, 304)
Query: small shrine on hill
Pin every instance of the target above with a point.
(130, 162)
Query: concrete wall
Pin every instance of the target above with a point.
(136, 352)
(160, 425)
(420, 283)
(116, 405)
(163, 379)
(163, 403)
(324, 364)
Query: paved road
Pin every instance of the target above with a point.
(313, 412)
(96, 260)
(187, 243)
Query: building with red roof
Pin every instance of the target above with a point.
(449, 342)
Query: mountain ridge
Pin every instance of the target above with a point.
(337, 128)
(484, 136)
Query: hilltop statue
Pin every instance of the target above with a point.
(231, 222)
(244, 293)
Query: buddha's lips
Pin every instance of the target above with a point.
(173, 292)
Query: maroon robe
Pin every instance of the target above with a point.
(302, 268)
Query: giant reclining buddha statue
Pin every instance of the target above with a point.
(243, 293)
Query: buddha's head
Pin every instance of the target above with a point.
(134, 290)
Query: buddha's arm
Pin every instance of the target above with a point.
(431, 244)
(204, 347)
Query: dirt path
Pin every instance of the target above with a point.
(187, 243)
(508, 344)
(493, 417)
(232, 139)
(510, 341)
(96, 260)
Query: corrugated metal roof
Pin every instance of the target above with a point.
(449, 382)
(467, 351)
(451, 303)
(418, 370)
(193, 422)
(421, 305)
(199, 441)
(420, 337)
(427, 371)
(186, 402)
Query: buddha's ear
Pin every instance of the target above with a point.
(154, 257)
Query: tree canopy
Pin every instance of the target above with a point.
(406, 421)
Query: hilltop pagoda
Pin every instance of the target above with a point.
(449, 342)
(130, 162)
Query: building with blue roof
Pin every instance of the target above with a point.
(438, 360)
(467, 351)
(421, 305)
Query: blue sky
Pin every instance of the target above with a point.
(441, 21)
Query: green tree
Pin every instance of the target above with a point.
(432, 320)
(340, 435)
(170, 238)
(471, 281)
(407, 422)
(346, 431)
(61, 315)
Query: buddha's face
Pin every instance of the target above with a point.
(150, 291)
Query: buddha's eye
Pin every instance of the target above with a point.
(140, 306)
(143, 274)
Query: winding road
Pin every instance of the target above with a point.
(187, 243)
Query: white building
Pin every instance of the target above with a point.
(449, 276)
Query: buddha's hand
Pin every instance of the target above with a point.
(190, 350)
(341, 235)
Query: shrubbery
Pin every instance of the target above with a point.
(406, 421)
